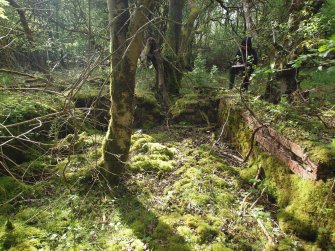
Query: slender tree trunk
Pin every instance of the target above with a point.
(23, 20)
(188, 34)
(172, 66)
(126, 41)
(38, 59)
(90, 25)
(175, 24)
(249, 23)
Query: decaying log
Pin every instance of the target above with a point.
(285, 150)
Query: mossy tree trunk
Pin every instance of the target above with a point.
(178, 40)
(172, 66)
(126, 41)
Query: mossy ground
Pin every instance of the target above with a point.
(177, 195)
(182, 197)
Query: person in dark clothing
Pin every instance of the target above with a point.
(246, 57)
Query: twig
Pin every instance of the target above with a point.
(332, 189)
(22, 134)
(252, 143)
(232, 156)
(266, 233)
(32, 120)
(222, 130)
(260, 196)
(323, 122)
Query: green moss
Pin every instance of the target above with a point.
(146, 97)
(89, 92)
(138, 227)
(301, 201)
(33, 216)
(324, 154)
(206, 232)
(147, 163)
(9, 188)
(58, 220)
(139, 141)
(218, 247)
(306, 208)
(163, 234)
(149, 155)
(20, 108)
(224, 199)
(37, 168)
(21, 237)
(183, 103)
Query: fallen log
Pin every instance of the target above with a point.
(33, 78)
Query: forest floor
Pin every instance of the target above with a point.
(178, 195)
(182, 191)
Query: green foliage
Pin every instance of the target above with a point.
(319, 39)
(199, 74)
(318, 56)
(2, 10)
(10, 187)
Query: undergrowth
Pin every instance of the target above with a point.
(181, 197)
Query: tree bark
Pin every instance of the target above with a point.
(175, 24)
(152, 53)
(188, 34)
(178, 42)
(126, 41)
(249, 23)
(38, 59)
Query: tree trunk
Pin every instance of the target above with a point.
(188, 34)
(175, 24)
(90, 38)
(23, 20)
(249, 23)
(126, 41)
(172, 66)
(38, 59)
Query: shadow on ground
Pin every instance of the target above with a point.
(145, 224)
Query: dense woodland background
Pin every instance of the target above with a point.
(118, 131)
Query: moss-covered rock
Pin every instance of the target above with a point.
(148, 155)
(194, 109)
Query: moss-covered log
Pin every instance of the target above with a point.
(306, 207)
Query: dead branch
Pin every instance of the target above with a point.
(222, 130)
(252, 140)
(23, 134)
(33, 120)
(30, 89)
(266, 233)
(33, 77)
